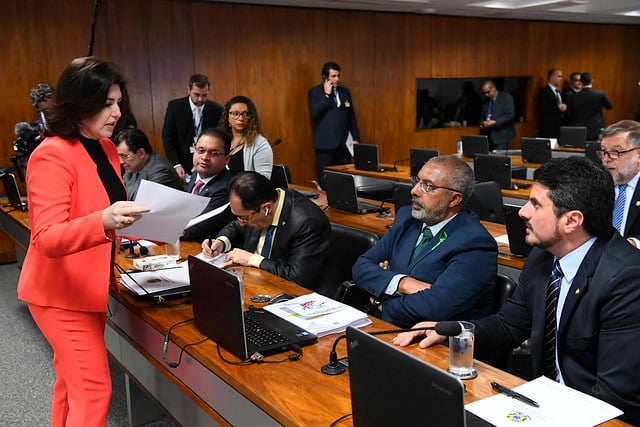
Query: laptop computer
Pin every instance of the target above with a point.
(516, 231)
(573, 136)
(474, 144)
(391, 387)
(365, 157)
(281, 177)
(491, 167)
(12, 191)
(401, 195)
(535, 150)
(418, 157)
(217, 295)
(591, 151)
(342, 194)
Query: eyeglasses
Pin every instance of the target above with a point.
(428, 187)
(237, 114)
(245, 218)
(212, 153)
(614, 154)
(125, 157)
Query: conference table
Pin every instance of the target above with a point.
(402, 174)
(204, 390)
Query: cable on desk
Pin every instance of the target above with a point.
(259, 358)
(176, 364)
(342, 418)
(165, 344)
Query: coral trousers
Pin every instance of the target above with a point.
(82, 391)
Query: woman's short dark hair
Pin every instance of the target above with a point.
(80, 94)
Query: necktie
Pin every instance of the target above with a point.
(197, 121)
(336, 97)
(558, 97)
(426, 236)
(266, 248)
(198, 187)
(618, 210)
(491, 104)
(553, 288)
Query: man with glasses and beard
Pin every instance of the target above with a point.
(437, 261)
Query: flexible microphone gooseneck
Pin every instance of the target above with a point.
(446, 328)
(395, 164)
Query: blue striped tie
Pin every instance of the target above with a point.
(618, 210)
(553, 288)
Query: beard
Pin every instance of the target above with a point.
(534, 239)
(429, 216)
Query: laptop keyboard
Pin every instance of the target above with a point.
(258, 335)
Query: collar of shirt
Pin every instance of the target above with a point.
(205, 180)
(193, 106)
(436, 228)
(571, 261)
(553, 88)
(278, 207)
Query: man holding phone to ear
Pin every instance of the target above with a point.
(331, 109)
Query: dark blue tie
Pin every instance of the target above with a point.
(266, 248)
(553, 288)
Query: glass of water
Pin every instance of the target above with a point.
(461, 352)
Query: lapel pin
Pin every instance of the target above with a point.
(637, 202)
(578, 291)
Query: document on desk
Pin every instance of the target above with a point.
(171, 211)
(150, 282)
(559, 406)
(319, 315)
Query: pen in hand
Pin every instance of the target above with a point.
(513, 394)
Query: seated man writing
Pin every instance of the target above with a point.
(437, 261)
(580, 287)
(277, 230)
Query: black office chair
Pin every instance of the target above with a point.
(346, 245)
(505, 286)
(374, 188)
(486, 201)
(280, 175)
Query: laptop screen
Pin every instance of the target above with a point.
(474, 144)
(392, 387)
(12, 191)
(365, 157)
(491, 167)
(535, 150)
(573, 136)
(516, 231)
(418, 157)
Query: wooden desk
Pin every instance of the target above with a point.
(203, 390)
(402, 175)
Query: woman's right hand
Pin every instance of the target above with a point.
(122, 214)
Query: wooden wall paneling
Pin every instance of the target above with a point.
(171, 59)
(295, 72)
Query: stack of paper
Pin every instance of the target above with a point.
(559, 406)
(149, 282)
(319, 314)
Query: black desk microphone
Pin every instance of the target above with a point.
(447, 329)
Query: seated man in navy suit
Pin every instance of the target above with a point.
(210, 179)
(412, 276)
(578, 296)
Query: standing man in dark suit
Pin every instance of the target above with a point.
(139, 162)
(184, 121)
(331, 108)
(578, 296)
(551, 106)
(620, 153)
(448, 274)
(498, 112)
(585, 108)
(277, 230)
(572, 86)
(210, 179)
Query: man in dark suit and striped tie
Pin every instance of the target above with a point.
(592, 341)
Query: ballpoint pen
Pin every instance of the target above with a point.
(513, 394)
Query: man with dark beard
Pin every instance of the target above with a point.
(578, 296)
(437, 261)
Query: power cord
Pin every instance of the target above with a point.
(165, 345)
(342, 418)
(259, 358)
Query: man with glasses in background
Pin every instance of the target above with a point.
(277, 230)
(620, 156)
(184, 121)
(210, 179)
(437, 261)
(498, 112)
(139, 162)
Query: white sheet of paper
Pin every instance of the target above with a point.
(559, 406)
(206, 216)
(170, 212)
(145, 282)
(502, 239)
(349, 143)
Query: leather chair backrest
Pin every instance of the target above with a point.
(486, 201)
(505, 286)
(280, 175)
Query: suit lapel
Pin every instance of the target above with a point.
(634, 211)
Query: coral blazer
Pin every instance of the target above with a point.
(68, 263)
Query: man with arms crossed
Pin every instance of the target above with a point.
(580, 287)
(452, 274)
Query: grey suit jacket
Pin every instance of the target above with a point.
(503, 114)
(157, 169)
